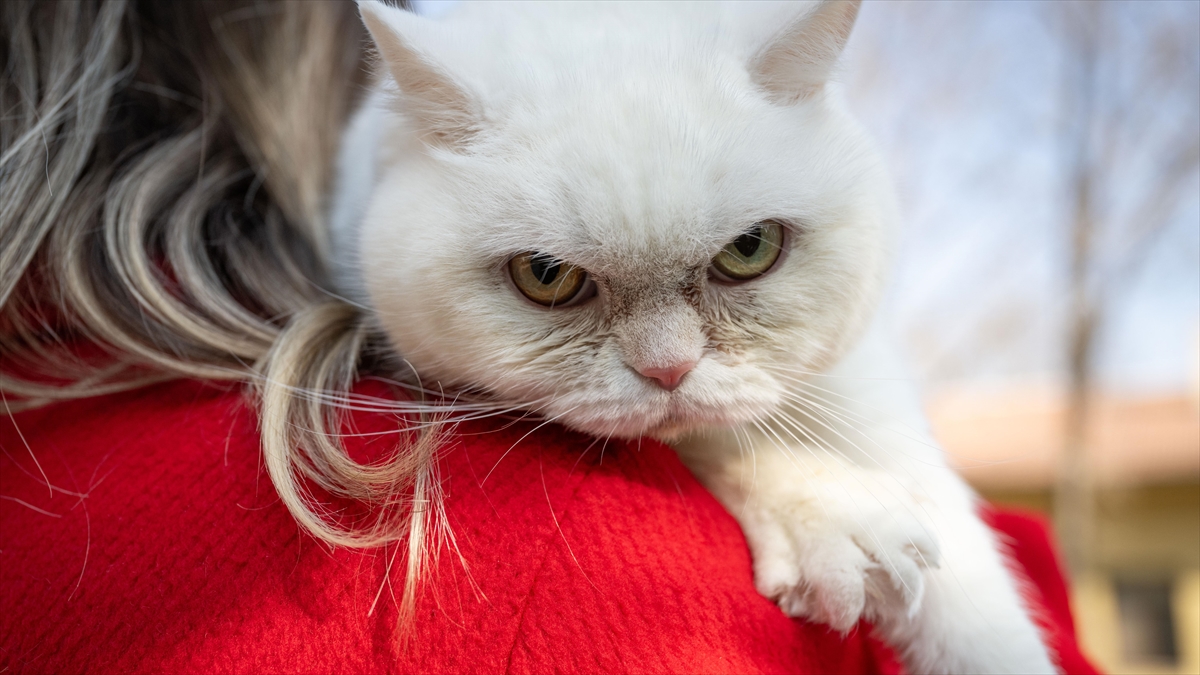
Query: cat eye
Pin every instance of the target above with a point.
(549, 282)
(751, 254)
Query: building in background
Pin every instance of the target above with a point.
(1138, 600)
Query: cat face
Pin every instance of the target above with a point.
(625, 173)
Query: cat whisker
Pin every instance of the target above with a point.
(813, 440)
(826, 423)
(948, 565)
(737, 437)
(518, 441)
(917, 436)
(860, 518)
(790, 453)
(818, 403)
(558, 526)
(810, 407)
(814, 373)
(830, 449)
(862, 521)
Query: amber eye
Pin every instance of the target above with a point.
(547, 281)
(751, 254)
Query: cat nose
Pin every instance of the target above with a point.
(669, 377)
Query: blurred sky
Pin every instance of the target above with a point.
(966, 102)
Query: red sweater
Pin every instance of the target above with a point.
(163, 548)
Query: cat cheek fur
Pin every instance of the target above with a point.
(436, 277)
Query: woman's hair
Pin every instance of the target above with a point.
(163, 167)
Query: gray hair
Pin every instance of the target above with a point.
(162, 172)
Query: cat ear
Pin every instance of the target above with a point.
(427, 93)
(798, 60)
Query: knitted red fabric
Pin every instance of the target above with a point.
(165, 549)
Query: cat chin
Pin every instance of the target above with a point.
(666, 433)
(666, 418)
(667, 429)
(671, 432)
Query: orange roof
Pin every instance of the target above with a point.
(1013, 438)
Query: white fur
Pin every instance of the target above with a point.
(635, 140)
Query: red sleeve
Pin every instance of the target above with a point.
(162, 548)
(1027, 536)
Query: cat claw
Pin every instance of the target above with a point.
(861, 556)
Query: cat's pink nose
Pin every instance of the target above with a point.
(669, 377)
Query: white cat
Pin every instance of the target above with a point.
(659, 219)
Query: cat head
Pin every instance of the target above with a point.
(635, 219)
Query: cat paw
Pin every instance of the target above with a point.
(853, 551)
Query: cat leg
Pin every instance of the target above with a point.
(972, 618)
(831, 541)
(834, 541)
